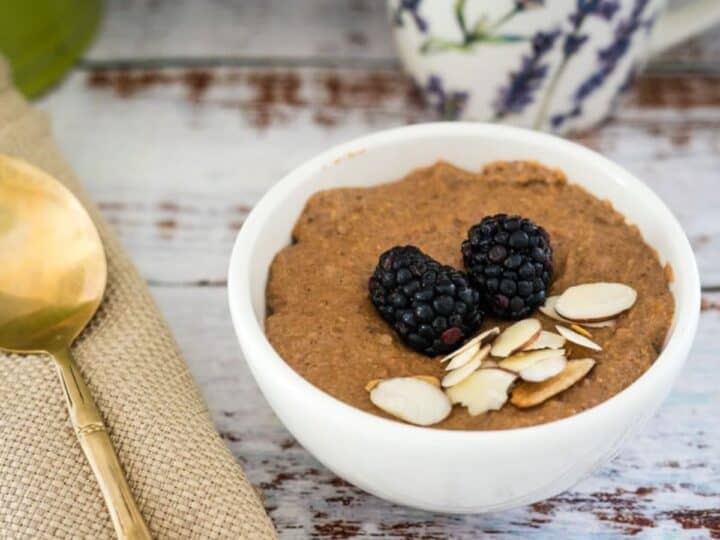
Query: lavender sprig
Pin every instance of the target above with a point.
(608, 58)
(605, 9)
(523, 84)
(574, 41)
(410, 7)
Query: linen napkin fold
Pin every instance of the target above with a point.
(184, 478)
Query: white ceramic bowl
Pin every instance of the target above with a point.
(443, 470)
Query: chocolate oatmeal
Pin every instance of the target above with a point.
(321, 321)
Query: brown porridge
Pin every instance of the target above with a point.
(323, 324)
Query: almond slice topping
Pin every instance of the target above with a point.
(458, 375)
(529, 394)
(546, 340)
(549, 310)
(484, 390)
(577, 338)
(523, 360)
(544, 369)
(515, 337)
(412, 400)
(460, 361)
(595, 301)
(463, 358)
(427, 378)
(477, 340)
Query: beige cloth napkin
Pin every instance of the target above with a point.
(185, 480)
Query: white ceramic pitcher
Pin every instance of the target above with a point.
(556, 65)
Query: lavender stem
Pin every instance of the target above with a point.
(502, 20)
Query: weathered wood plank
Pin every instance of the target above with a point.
(250, 29)
(177, 157)
(315, 31)
(664, 483)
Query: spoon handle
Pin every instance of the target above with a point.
(95, 442)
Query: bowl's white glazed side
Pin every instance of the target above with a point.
(467, 474)
(439, 469)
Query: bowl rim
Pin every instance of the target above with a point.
(255, 344)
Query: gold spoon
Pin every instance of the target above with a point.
(52, 279)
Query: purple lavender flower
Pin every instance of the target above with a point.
(608, 58)
(542, 42)
(603, 8)
(558, 120)
(585, 8)
(520, 90)
(607, 10)
(573, 42)
(589, 85)
(411, 7)
(448, 104)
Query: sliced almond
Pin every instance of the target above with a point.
(546, 340)
(549, 310)
(544, 369)
(578, 339)
(515, 337)
(458, 375)
(595, 301)
(463, 358)
(428, 379)
(476, 341)
(457, 362)
(529, 394)
(523, 360)
(484, 390)
(580, 330)
(411, 399)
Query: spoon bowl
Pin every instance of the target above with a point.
(54, 272)
(52, 280)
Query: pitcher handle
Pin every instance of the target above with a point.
(680, 23)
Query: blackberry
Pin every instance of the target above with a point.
(509, 259)
(432, 307)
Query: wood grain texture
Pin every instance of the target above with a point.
(192, 124)
(315, 30)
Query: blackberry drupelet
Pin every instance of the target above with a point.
(432, 307)
(509, 260)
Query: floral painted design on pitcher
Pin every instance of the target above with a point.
(556, 65)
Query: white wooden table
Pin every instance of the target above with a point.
(185, 112)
